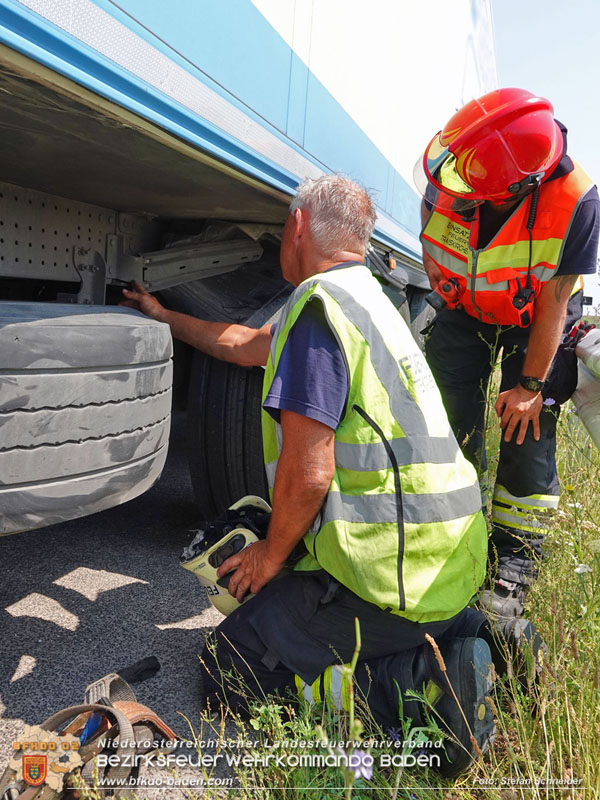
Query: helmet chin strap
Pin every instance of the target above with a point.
(526, 185)
(518, 191)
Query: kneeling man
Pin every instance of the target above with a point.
(364, 469)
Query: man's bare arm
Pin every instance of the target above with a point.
(517, 407)
(304, 472)
(548, 324)
(248, 347)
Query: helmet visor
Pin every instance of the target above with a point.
(436, 175)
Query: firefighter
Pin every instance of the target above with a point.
(510, 224)
(363, 467)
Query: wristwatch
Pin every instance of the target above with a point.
(531, 384)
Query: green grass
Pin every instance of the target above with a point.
(558, 736)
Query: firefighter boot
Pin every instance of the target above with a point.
(505, 598)
(517, 648)
(382, 684)
(463, 671)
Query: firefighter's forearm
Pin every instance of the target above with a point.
(238, 344)
(304, 471)
(547, 326)
(544, 339)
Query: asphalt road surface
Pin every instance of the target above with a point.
(87, 597)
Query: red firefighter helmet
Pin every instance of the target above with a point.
(495, 148)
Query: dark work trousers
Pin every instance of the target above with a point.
(461, 352)
(299, 625)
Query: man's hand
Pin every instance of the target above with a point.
(143, 301)
(519, 407)
(255, 568)
(434, 273)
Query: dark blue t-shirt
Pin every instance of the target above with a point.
(581, 246)
(311, 377)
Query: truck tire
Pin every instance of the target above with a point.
(85, 401)
(224, 438)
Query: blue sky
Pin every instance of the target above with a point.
(552, 48)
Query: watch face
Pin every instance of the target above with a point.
(532, 384)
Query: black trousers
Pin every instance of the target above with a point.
(462, 352)
(301, 624)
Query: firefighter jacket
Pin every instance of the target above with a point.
(492, 280)
(401, 524)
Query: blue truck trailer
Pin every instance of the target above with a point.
(162, 142)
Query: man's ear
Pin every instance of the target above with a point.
(300, 222)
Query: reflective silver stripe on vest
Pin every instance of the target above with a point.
(402, 404)
(271, 469)
(419, 509)
(371, 457)
(445, 259)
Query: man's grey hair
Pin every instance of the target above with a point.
(342, 214)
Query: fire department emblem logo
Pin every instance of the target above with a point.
(35, 769)
(44, 758)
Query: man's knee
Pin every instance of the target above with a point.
(237, 666)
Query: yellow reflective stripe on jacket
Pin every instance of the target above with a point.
(501, 258)
(545, 253)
